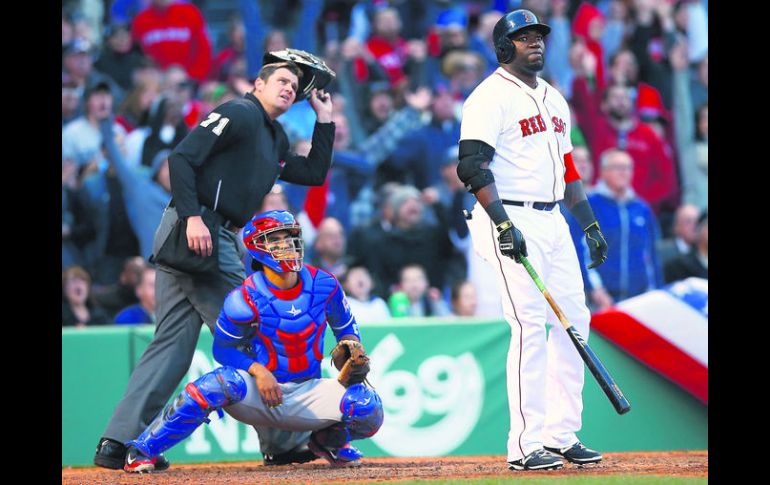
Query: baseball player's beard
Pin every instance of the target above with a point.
(537, 66)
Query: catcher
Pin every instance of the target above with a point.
(269, 340)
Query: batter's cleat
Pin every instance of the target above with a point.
(537, 460)
(137, 462)
(110, 454)
(578, 454)
(347, 456)
(300, 454)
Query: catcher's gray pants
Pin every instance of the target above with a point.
(306, 406)
(183, 302)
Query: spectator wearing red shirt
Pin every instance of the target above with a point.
(387, 46)
(588, 25)
(607, 121)
(174, 33)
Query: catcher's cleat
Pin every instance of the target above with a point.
(137, 462)
(578, 454)
(110, 454)
(346, 456)
(300, 454)
(537, 460)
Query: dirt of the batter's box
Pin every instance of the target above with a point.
(679, 463)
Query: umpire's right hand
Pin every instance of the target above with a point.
(511, 240)
(199, 236)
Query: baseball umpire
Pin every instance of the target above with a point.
(515, 157)
(219, 174)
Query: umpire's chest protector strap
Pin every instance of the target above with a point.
(473, 168)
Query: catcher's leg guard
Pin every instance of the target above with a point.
(210, 392)
(362, 411)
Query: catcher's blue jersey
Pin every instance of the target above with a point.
(282, 329)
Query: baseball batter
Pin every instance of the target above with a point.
(515, 157)
(269, 338)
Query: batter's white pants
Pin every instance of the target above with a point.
(545, 378)
(306, 406)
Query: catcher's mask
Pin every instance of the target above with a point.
(315, 73)
(262, 236)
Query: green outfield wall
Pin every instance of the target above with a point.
(442, 383)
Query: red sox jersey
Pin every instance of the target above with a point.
(528, 128)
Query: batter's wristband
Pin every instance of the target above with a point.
(497, 212)
(583, 214)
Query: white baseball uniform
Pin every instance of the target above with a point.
(528, 128)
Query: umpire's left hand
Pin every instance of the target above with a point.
(321, 102)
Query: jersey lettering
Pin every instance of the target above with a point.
(533, 124)
(559, 126)
(212, 118)
(525, 131)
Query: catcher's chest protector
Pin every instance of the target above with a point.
(290, 336)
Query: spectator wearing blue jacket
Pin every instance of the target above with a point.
(631, 230)
(420, 155)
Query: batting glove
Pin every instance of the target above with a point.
(511, 240)
(596, 244)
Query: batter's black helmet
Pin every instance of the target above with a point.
(509, 24)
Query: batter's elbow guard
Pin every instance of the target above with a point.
(472, 170)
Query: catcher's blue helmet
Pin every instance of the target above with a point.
(282, 256)
(508, 25)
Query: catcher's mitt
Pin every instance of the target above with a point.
(315, 73)
(351, 360)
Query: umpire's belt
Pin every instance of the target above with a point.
(541, 206)
(226, 223)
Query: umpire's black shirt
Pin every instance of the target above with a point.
(233, 158)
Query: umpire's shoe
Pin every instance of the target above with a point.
(537, 460)
(110, 454)
(300, 454)
(578, 454)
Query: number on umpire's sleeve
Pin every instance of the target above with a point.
(212, 118)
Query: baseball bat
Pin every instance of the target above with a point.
(600, 373)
